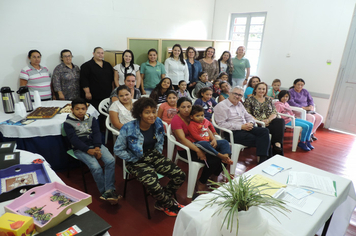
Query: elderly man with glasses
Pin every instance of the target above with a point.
(231, 114)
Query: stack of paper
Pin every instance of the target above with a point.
(313, 182)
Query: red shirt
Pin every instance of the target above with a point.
(199, 131)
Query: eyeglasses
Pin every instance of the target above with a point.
(67, 56)
(237, 94)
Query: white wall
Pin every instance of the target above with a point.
(81, 25)
(311, 31)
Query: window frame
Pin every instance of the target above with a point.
(247, 31)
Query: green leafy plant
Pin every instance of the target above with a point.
(239, 195)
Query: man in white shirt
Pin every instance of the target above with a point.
(231, 114)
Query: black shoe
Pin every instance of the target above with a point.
(277, 150)
(312, 137)
(263, 159)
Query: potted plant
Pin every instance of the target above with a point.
(240, 197)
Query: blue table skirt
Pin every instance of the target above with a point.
(52, 148)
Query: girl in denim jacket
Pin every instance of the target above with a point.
(140, 144)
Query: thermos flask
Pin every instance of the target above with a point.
(25, 97)
(7, 100)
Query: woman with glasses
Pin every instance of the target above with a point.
(260, 106)
(66, 78)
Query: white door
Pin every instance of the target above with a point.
(342, 112)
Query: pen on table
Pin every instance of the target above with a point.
(206, 163)
(286, 169)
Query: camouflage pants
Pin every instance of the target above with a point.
(146, 169)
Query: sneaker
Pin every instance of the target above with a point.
(309, 145)
(111, 196)
(303, 146)
(180, 206)
(170, 211)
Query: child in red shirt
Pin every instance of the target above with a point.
(201, 133)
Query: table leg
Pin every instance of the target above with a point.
(326, 226)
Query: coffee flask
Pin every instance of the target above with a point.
(25, 97)
(7, 100)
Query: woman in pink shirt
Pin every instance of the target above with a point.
(282, 106)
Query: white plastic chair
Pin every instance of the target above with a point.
(235, 148)
(115, 134)
(193, 166)
(104, 110)
(193, 94)
(299, 112)
(296, 131)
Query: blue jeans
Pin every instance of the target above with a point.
(105, 181)
(223, 147)
(306, 128)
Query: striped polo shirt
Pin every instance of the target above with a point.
(39, 80)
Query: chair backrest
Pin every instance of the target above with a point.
(104, 106)
(108, 126)
(63, 132)
(170, 134)
(193, 94)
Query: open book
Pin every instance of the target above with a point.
(313, 182)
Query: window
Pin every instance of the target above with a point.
(247, 30)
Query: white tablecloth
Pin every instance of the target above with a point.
(41, 127)
(193, 222)
(27, 158)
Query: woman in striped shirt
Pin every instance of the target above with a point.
(36, 77)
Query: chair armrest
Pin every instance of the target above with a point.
(223, 129)
(286, 115)
(301, 111)
(263, 125)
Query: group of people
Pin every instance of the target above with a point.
(217, 88)
(96, 77)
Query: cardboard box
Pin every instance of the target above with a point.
(49, 204)
(16, 225)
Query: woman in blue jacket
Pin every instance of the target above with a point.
(194, 67)
(140, 144)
